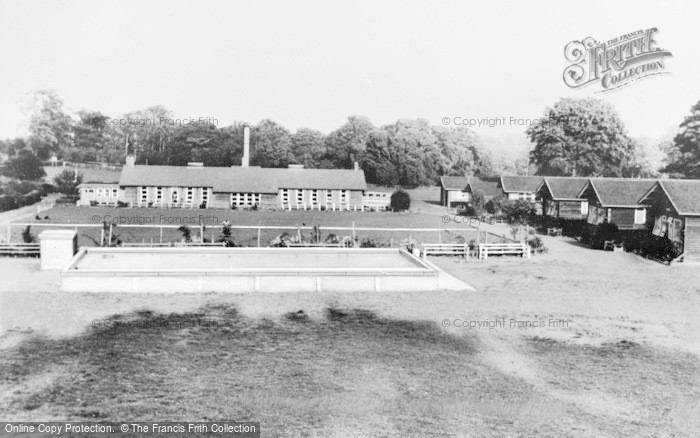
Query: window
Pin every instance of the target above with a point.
(190, 194)
(343, 196)
(300, 196)
(205, 195)
(144, 195)
(584, 207)
(115, 193)
(98, 192)
(159, 194)
(175, 197)
(285, 196)
(245, 199)
(329, 196)
(314, 197)
(640, 216)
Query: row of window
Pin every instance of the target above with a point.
(313, 196)
(174, 195)
(598, 215)
(245, 199)
(104, 193)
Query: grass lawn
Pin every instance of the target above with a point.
(214, 218)
(350, 373)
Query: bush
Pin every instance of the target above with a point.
(536, 244)
(369, 243)
(400, 201)
(27, 235)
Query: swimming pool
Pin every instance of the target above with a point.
(210, 269)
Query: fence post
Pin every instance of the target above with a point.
(439, 236)
(353, 231)
(259, 229)
(161, 233)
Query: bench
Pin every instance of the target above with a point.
(521, 249)
(554, 231)
(458, 249)
(20, 249)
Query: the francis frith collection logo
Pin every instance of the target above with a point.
(614, 63)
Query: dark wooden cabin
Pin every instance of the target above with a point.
(560, 199)
(674, 207)
(617, 201)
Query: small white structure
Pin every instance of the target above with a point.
(57, 248)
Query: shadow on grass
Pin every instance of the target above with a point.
(349, 367)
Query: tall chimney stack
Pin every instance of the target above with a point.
(245, 162)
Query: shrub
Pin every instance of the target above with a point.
(537, 244)
(122, 204)
(27, 235)
(186, 233)
(369, 243)
(400, 201)
(519, 211)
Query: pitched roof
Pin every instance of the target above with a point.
(563, 187)
(683, 194)
(454, 182)
(521, 183)
(490, 187)
(620, 192)
(243, 179)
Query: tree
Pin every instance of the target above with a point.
(347, 144)
(476, 206)
(580, 137)
(685, 152)
(49, 125)
(496, 205)
(10, 148)
(25, 166)
(400, 201)
(67, 181)
(461, 149)
(308, 147)
(519, 211)
(271, 144)
(89, 137)
(405, 153)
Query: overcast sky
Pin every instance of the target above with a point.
(313, 63)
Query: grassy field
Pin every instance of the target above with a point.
(213, 219)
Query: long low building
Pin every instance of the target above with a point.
(240, 187)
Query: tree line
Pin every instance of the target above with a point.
(576, 137)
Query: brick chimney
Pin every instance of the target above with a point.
(245, 161)
(130, 161)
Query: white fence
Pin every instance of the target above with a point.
(433, 235)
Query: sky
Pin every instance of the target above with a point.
(314, 63)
